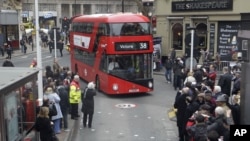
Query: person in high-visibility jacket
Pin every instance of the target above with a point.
(75, 96)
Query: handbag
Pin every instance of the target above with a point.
(172, 113)
(52, 109)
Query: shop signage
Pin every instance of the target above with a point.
(212, 38)
(48, 15)
(202, 5)
(228, 40)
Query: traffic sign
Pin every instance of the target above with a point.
(22, 27)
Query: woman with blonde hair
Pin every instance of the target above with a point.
(190, 78)
(43, 124)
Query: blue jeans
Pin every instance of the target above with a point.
(168, 75)
(57, 128)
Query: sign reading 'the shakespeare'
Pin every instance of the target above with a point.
(209, 5)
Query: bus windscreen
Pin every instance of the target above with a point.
(128, 67)
(126, 29)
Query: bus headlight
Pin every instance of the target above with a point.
(150, 84)
(115, 87)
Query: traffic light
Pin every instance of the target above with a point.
(65, 23)
(153, 19)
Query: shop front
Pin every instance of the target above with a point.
(216, 25)
(18, 94)
(47, 19)
(9, 30)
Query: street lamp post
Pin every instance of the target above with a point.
(75, 8)
(122, 6)
(192, 29)
(39, 57)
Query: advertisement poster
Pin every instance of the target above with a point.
(228, 40)
(11, 117)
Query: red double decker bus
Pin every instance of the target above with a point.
(114, 51)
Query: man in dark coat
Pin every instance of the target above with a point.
(9, 51)
(236, 84)
(64, 103)
(2, 50)
(168, 67)
(225, 81)
(88, 104)
(181, 105)
(178, 74)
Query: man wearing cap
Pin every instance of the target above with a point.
(222, 102)
(75, 96)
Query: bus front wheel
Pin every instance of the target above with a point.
(97, 83)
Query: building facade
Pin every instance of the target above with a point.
(51, 13)
(9, 21)
(16, 15)
(217, 25)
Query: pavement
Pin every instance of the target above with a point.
(18, 52)
(64, 135)
(68, 135)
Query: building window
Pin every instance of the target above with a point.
(47, 7)
(177, 36)
(201, 30)
(87, 9)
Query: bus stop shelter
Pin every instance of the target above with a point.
(18, 96)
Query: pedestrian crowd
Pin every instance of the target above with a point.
(63, 95)
(205, 106)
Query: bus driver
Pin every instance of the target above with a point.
(113, 64)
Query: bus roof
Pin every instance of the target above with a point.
(112, 18)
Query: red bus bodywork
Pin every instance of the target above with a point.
(89, 61)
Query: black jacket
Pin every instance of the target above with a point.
(64, 96)
(43, 126)
(225, 83)
(88, 101)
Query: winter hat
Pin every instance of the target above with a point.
(221, 98)
(208, 93)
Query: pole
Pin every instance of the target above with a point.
(107, 6)
(75, 8)
(192, 50)
(39, 58)
(55, 41)
(122, 6)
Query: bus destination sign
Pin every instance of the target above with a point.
(131, 46)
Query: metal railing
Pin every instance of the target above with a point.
(222, 65)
